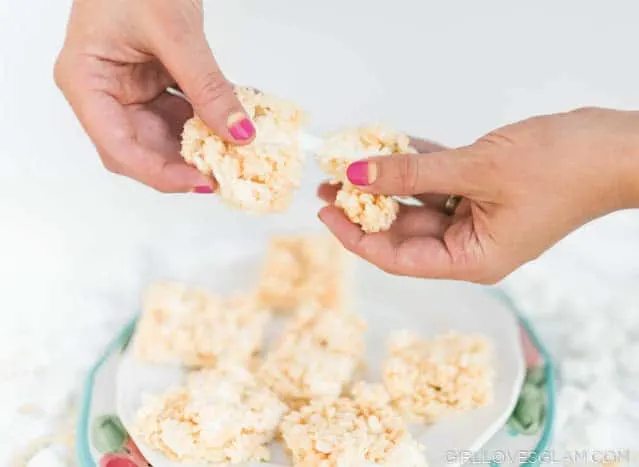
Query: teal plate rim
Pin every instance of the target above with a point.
(83, 450)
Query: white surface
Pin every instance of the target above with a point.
(75, 241)
(388, 304)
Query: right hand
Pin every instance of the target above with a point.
(117, 61)
(525, 186)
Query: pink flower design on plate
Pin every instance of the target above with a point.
(531, 354)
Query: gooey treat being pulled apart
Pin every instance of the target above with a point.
(259, 177)
(374, 213)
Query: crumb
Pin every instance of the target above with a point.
(428, 379)
(374, 213)
(30, 409)
(219, 416)
(190, 326)
(304, 269)
(259, 177)
(355, 431)
(317, 355)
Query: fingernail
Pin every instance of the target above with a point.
(241, 127)
(361, 173)
(203, 189)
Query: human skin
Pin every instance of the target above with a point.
(525, 186)
(118, 58)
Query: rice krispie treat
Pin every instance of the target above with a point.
(304, 269)
(219, 416)
(317, 355)
(261, 176)
(356, 431)
(427, 379)
(375, 213)
(190, 326)
(342, 148)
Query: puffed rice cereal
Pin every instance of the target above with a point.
(428, 379)
(219, 416)
(374, 213)
(190, 326)
(356, 431)
(317, 355)
(304, 269)
(259, 177)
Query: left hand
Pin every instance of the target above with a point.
(524, 186)
(118, 58)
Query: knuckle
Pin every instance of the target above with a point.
(484, 167)
(585, 110)
(111, 165)
(157, 183)
(487, 275)
(488, 280)
(161, 188)
(501, 138)
(467, 266)
(212, 87)
(388, 269)
(59, 72)
(181, 28)
(350, 245)
(408, 173)
(488, 166)
(161, 182)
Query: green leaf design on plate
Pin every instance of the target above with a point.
(108, 434)
(536, 376)
(528, 416)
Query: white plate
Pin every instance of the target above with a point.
(387, 303)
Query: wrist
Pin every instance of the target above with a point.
(614, 157)
(628, 153)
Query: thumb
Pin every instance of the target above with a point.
(444, 172)
(192, 65)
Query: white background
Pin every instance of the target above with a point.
(76, 242)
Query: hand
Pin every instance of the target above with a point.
(524, 187)
(117, 61)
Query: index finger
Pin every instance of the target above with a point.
(424, 146)
(416, 256)
(111, 131)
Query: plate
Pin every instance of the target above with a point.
(387, 303)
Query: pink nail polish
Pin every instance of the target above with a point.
(242, 130)
(357, 173)
(204, 189)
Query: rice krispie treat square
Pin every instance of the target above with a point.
(190, 326)
(219, 416)
(374, 213)
(304, 269)
(430, 378)
(259, 177)
(356, 431)
(317, 355)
